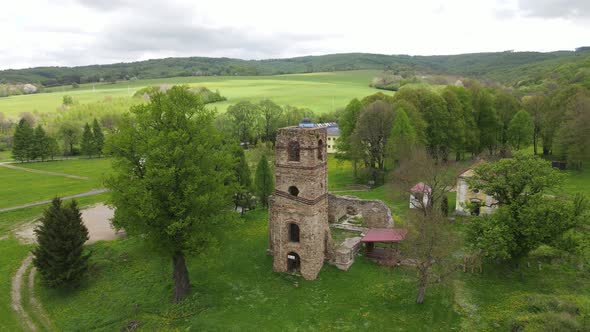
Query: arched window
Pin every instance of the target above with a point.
(293, 191)
(320, 150)
(293, 151)
(293, 233)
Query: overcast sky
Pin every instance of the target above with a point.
(79, 32)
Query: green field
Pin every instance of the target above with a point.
(320, 92)
(22, 187)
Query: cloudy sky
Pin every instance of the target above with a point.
(78, 32)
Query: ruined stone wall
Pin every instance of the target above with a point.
(375, 213)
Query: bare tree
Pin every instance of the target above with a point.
(430, 242)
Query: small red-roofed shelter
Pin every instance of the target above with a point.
(391, 236)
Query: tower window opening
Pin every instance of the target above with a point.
(293, 151)
(293, 191)
(293, 233)
(320, 150)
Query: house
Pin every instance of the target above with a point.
(333, 135)
(472, 201)
(420, 195)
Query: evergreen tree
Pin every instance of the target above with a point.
(40, 144)
(98, 137)
(520, 130)
(264, 180)
(60, 256)
(87, 145)
(22, 141)
(244, 179)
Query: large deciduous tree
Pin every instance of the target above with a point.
(173, 177)
(245, 117)
(536, 105)
(402, 139)
(60, 256)
(573, 137)
(527, 216)
(520, 130)
(371, 134)
(347, 125)
(271, 114)
(430, 241)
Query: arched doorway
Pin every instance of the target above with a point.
(476, 207)
(293, 262)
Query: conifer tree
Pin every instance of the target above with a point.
(22, 141)
(98, 137)
(60, 256)
(87, 145)
(244, 179)
(264, 180)
(40, 144)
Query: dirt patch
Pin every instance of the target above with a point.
(96, 218)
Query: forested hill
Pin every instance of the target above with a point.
(507, 67)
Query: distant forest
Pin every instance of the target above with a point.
(509, 68)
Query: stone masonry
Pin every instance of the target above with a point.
(375, 213)
(299, 235)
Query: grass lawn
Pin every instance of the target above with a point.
(12, 252)
(94, 168)
(21, 187)
(577, 181)
(5, 155)
(234, 289)
(320, 92)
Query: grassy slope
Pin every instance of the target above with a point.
(21, 187)
(320, 92)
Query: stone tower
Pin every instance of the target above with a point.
(299, 235)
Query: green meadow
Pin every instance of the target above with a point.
(320, 92)
(235, 289)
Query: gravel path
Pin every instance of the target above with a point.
(88, 193)
(11, 166)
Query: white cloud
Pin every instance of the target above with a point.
(75, 32)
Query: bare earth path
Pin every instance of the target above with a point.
(17, 305)
(88, 193)
(11, 166)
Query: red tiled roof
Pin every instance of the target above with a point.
(385, 235)
(421, 188)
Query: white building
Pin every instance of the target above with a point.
(472, 202)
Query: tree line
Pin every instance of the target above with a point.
(30, 144)
(459, 122)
